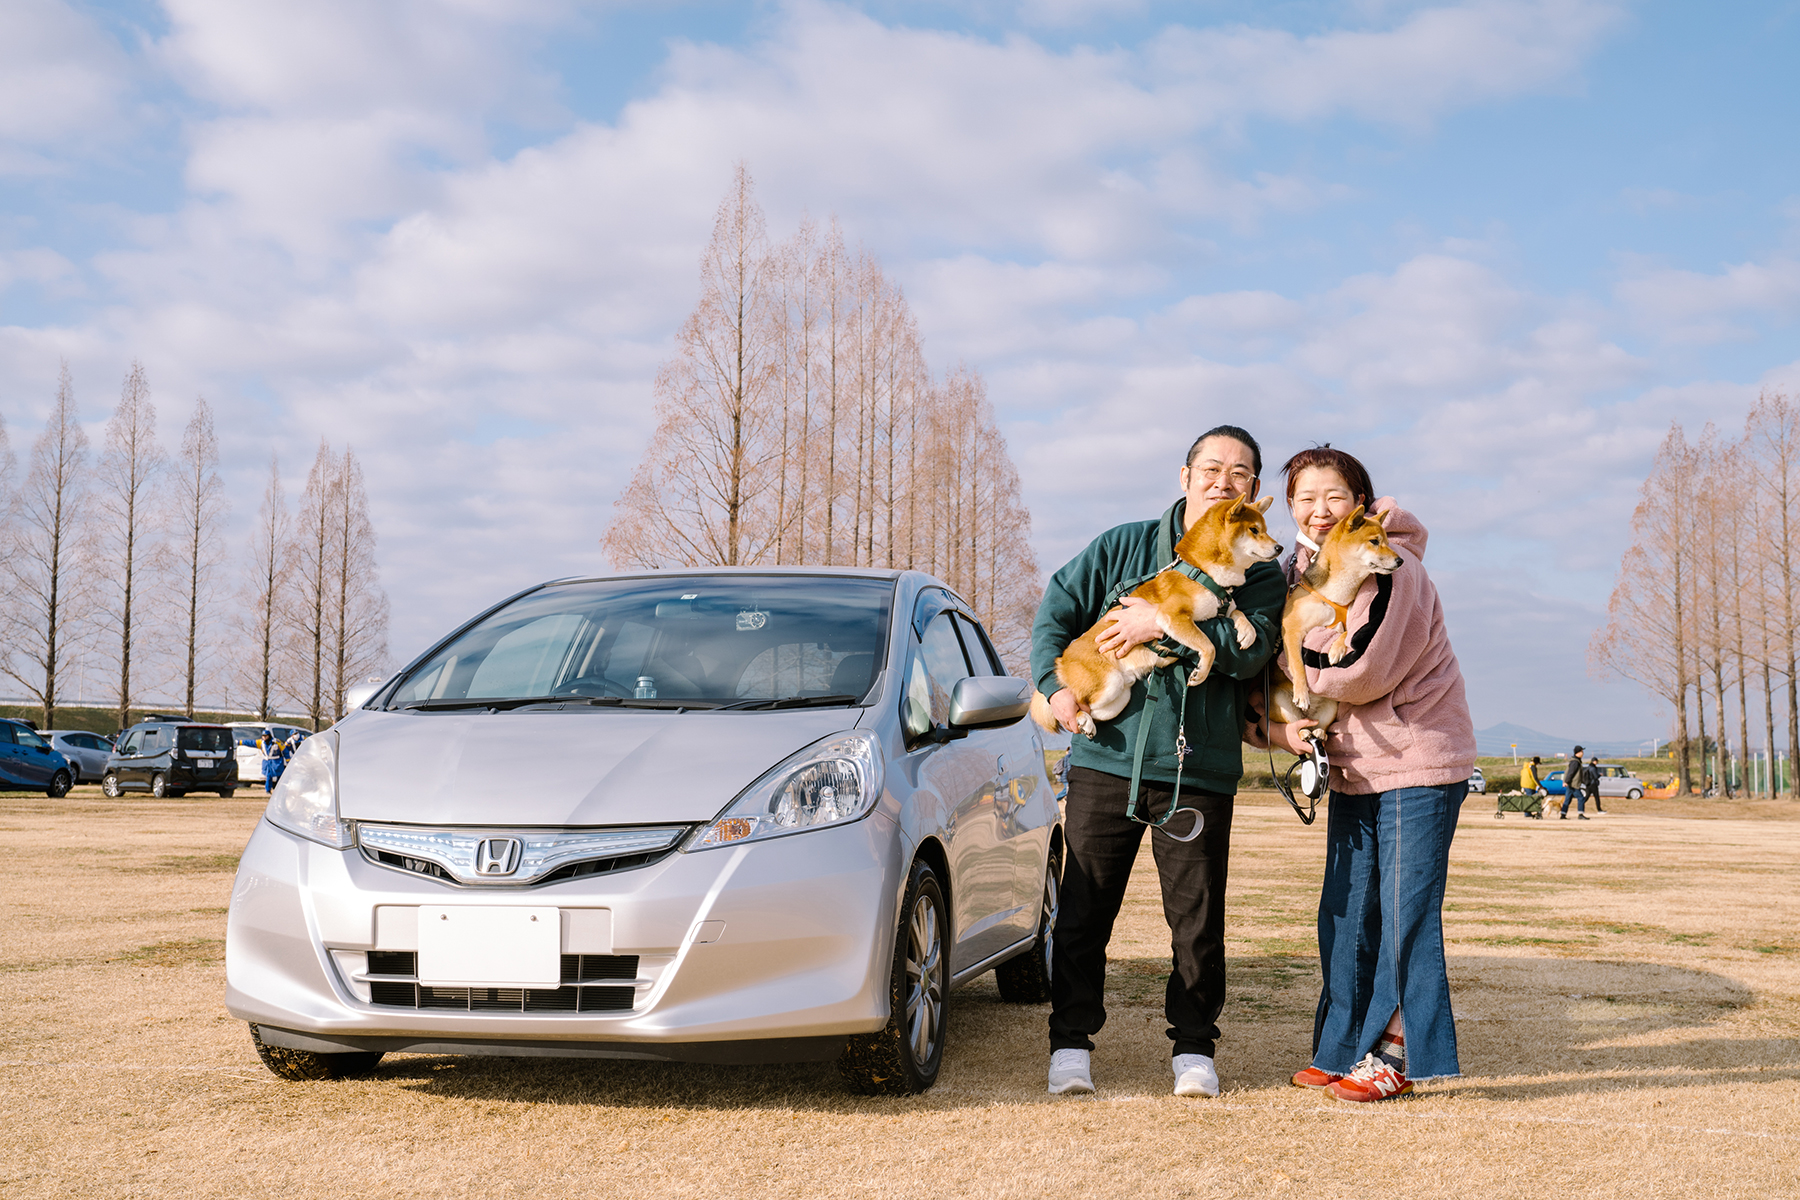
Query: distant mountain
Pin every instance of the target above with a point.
(1499, 739)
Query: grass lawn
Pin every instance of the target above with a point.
(1627, 991)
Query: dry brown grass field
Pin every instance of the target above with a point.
(1627, 988)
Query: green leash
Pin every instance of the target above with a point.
(1181, 753)
(1151, 696)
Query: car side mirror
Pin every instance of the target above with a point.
(988, 701)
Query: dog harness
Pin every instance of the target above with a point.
(1340, 611)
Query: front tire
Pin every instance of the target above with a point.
(306, 1066)
(109, 784)
(1026, 979)
(60, 783)
(904, 1056)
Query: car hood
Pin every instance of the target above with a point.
(606, 767)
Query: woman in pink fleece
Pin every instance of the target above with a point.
(1402, 749)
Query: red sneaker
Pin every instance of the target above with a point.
(1314, 1078)
(1372, 1079)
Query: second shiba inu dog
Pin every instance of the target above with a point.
(1356, 548)
(1222, 544)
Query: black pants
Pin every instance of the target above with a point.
(1102, 844)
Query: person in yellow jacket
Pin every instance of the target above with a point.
(1528, 778)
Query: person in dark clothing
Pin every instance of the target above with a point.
(1574, 787)
(1102, 841)
(1592, 780)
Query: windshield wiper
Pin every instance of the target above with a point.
(506, 703)
(793, 702)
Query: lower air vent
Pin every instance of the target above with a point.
(394, 983)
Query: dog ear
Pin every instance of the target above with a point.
(1237, 506)
(1381, 518)
(1262, 506)
(1355, 518)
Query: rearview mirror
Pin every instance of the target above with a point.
(985, 701)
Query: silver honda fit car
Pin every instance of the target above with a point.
(729, 816)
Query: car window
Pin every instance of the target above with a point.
(27, 737)
(805, 668)
(204, 739)
(937, 666)
(6, 733)
(980, 651)
(712, 639)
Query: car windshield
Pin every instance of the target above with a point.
(204, 739)
(707, 641)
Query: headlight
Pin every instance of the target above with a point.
(828, 783)
(305, 801)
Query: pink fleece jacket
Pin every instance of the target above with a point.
(1403, 718)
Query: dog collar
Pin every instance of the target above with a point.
(1200, 577)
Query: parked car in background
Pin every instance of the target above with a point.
(1619, 781)
(247, 754)
(170, 758)
(29, 763)
(803, 805)
(1478, 782)
(1614, 781)
(87, 752)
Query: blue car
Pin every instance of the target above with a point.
(28, 763)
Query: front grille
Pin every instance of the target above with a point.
(541, 855)
(394, 983)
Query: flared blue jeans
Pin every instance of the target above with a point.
(1381, 933)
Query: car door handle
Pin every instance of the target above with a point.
(1000, 765)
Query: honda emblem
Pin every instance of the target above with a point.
(497, 856)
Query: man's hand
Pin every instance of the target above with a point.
(1134, 626)
(1066, 711)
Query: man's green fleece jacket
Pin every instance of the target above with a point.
(1077, 597)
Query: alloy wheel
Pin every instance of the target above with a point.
(924, 978)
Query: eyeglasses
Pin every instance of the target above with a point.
(1238, 477)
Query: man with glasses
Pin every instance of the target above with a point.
(1102, 840)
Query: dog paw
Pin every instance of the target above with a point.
(1085, 722)
(1302, 699)
(1197, 676)
(1246, 632)
(1340, 646)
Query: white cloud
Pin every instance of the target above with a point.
(1437, 60)
(62, 80)
(1695, 307)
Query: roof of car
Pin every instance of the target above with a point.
(185, 724)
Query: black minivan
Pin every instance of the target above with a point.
(170, 758)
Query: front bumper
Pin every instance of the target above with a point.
(774, 950)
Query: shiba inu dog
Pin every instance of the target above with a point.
(1223, 543)
(1356, 548)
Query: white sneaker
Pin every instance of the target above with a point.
(1069, 1073)
(1195, 1075)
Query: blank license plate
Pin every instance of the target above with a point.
(489, 947)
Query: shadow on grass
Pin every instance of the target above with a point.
(1577, 1025)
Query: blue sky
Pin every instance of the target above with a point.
(1493, 247)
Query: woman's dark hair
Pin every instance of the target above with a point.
(1236, 434)
(1347, 465)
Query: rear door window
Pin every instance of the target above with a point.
(205, 739)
